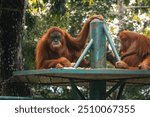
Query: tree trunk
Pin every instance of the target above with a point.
(11, 18)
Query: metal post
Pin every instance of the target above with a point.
(83, 54)
(98, 58)
(74, 87)
(111, 42)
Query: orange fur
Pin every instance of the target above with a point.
(70, 51)
(135, 49)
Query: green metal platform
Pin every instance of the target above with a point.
(61, 76)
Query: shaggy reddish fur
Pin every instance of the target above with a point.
(70, 50)
(135, 51)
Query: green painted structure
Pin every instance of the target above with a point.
(47, 76)
(115, 77)
(97, 58)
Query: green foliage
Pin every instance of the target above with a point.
(58, 7)
(67, 14)
(56, 92)
(126, 2)
(136, 92)
(70, 15)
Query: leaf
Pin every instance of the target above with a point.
(126, 2)
(91, 2)
(135, 17)
(84, 1)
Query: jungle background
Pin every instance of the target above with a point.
(23, 22)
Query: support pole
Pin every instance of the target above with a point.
(83, 54)
(111, 42)
(120, 91)
(74, 87)
(98, 58)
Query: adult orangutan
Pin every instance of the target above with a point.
(58, 49)
(135, 51)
